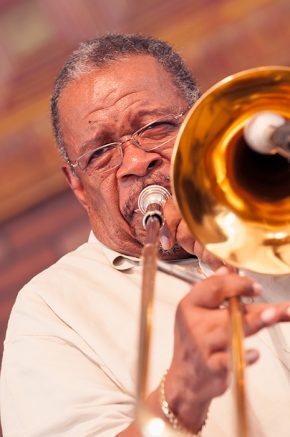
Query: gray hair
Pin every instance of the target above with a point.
(103, 50)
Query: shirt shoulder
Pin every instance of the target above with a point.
(79, 287)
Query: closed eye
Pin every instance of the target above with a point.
(158, 130)
(100, 151)
(101, 154)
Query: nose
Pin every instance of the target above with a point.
(137, 162)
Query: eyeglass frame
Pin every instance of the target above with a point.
(119, 144)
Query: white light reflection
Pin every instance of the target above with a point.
(228, 222)
(154, 428)
(276, 235)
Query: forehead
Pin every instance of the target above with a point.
(114, 94)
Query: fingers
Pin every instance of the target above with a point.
(185, 238)
(251, 356)
(217, 344)
(206, 257)
(202, 344)
(220, 363)
(172, 219)
(212, 292)
(259, 316)
(167, 239)
(175, 230)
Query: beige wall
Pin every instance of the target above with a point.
(216, 37)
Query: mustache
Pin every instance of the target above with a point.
(130, 205)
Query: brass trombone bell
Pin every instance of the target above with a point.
(236, 201)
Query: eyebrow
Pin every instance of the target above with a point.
(84, 147)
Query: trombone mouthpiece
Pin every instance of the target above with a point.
(151, 201)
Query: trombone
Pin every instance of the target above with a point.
(234, 195)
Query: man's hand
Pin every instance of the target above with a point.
(175, 230)
(200, 368)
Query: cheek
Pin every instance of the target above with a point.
(167, 153)
(102, 196)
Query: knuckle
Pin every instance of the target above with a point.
(221, 372)
(183, 309)
(215, 285)
(183, 234)
(220, 382)
(189, 321)
(223, 384)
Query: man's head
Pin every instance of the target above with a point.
(110, 88)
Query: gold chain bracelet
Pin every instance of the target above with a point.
(170, 416)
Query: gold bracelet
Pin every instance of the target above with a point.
(170, 416)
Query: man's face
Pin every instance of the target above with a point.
(108, 105)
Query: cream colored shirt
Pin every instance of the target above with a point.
(69, 364)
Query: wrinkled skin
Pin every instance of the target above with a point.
(112, 103)
(112, 108)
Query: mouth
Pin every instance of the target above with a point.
(130, 209)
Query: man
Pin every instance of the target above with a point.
(69, 366)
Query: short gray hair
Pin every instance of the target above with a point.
(103, 50)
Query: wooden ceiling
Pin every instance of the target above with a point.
(217, 38)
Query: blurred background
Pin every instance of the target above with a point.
(39, 218)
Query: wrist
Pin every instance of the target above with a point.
(183, 416)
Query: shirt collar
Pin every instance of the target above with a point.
(122, 262)
(117, 260)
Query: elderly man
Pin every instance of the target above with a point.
(69, 366)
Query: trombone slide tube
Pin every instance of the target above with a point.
(238, 365)
(149, 257)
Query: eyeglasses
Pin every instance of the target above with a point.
(155, 135)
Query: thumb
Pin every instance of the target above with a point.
(167, 240)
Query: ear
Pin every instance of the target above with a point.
(76, 185)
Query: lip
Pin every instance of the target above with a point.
(131, 208)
